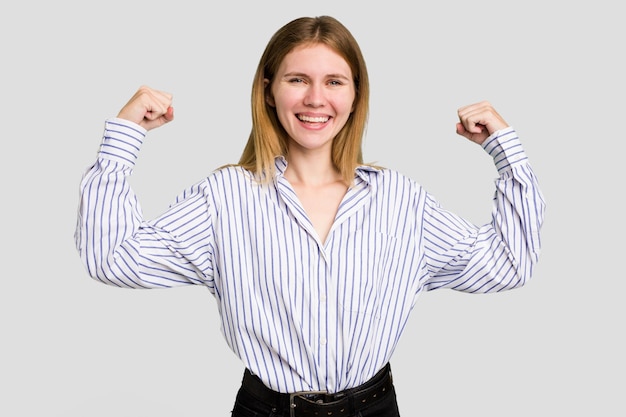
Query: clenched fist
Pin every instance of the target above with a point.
(478, 121)
(148, 108)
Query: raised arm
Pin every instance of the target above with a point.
(117, 246)
(499, 255)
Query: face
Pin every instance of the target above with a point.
(313, 93)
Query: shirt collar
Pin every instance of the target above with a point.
(364, 172)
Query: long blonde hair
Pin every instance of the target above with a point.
(268, 138)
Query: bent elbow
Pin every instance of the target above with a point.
(111, 271)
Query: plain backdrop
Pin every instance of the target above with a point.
(72, 347)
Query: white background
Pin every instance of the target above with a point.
(555, 70)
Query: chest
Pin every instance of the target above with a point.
(320, 205)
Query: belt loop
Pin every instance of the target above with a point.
(353, 405)
(292, 407)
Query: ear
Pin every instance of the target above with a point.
(269, 98)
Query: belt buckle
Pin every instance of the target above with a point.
(292, 396)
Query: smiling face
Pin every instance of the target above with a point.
(313, 93)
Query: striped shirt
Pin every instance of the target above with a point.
(300, 313)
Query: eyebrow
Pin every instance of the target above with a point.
(302, 74)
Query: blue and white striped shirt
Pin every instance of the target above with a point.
(300, 313)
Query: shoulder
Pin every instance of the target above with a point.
(231, 174)
(230, 182)
(381, 177)
(393, 189)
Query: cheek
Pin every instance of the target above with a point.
(347, 105)
(284, 103)
(284, 96)
(347, 102)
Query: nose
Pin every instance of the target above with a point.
(315, 96)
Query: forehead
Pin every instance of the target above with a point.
(315, 58)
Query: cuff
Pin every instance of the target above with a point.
(121, 141)
(505, 148)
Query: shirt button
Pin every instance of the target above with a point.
(323, 340)
(323, 298)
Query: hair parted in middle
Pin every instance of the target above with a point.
(268, 139)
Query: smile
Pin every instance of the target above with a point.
(308, 119)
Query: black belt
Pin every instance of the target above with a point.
(319, 403)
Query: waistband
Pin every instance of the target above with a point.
(318, 403)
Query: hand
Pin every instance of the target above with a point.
(478, 121)
(148, 108)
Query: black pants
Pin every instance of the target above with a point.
(375, 398)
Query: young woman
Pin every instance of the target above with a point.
(314, 258)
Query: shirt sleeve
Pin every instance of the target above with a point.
(116, 245)
(499, 255)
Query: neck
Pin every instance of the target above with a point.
(313, 170)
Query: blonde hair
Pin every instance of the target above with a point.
(268, 138)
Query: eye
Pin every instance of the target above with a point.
(335, 82)
(296, 80)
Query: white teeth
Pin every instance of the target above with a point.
(313, 119)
